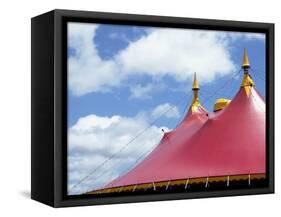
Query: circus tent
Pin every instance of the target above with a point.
(225, 144)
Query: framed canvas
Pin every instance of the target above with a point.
(134, 108)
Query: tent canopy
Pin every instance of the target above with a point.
(228, 142)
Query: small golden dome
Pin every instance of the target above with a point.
(221, 104)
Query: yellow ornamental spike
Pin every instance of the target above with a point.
(195, 87)
(245, 63)
(247, 82)
(195, 83)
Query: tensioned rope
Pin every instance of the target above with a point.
(143, 155)
(177, 120)
(208, 97)
(258, 74)
(184, 112)
(131, 167)
(126, 145)
(233, 87)
(136, 161)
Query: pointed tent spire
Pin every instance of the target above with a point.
(247, 81)
(195, 87)
(245, 63)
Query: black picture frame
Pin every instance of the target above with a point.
(49, 102)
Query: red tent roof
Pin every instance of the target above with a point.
(224, 143)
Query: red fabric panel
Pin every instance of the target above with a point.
(228, 142)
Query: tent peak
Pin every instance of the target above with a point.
(195, 87)
(247, 81)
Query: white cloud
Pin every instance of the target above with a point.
(161, 52)
(145, 91)
(87, 71)
(167, 110)
(94, 139)
(178, 53)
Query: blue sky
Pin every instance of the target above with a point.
(136, 73)
(110, 39)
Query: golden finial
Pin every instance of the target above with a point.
(247, 81)
(195, 85)
(245, 64)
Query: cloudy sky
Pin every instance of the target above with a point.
(123, 78)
